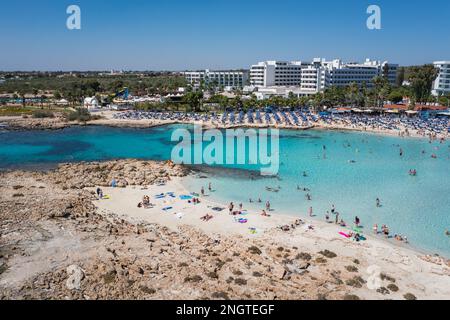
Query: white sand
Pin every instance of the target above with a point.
(425, 279)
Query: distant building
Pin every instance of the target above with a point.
(318, 75)
(276, 73)
(91, 103)
(233, 79)
(441, 85)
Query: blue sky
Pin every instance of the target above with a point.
(217, 34)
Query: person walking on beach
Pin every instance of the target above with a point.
(203, 191)
(231, 207)
(310, 211)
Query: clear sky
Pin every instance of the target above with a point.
(217, 34)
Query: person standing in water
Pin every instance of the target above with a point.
(210, 187)
(203, 191)
(268, 206)
(357, 221)
(378, 202)
(310, 211)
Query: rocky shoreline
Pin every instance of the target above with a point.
(54, 244)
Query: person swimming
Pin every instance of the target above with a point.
(378, 203)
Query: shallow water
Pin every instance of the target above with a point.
(417, 207)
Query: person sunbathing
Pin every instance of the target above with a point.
(264, 214)
(206, 217)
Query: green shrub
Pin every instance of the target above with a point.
(80, 115)
(41, 114)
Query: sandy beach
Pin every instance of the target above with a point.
(108, 119)
(413, 270)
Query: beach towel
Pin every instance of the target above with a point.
(185, 197)
(167, 208)
(217, 209)
(241, 220)
(344, 235)
(179, 215)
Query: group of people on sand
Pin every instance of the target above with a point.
(336, 214)
(294, 225)
(145, 203)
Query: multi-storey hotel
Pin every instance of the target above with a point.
(441, 85)
(276, 73)
(319, 74)
(231, 79)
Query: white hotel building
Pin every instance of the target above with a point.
(319, 74)
(230, 79)
(441, 85)
(276, 73)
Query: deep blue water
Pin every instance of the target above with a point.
(417, 207)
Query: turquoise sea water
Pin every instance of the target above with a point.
(417, 207)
